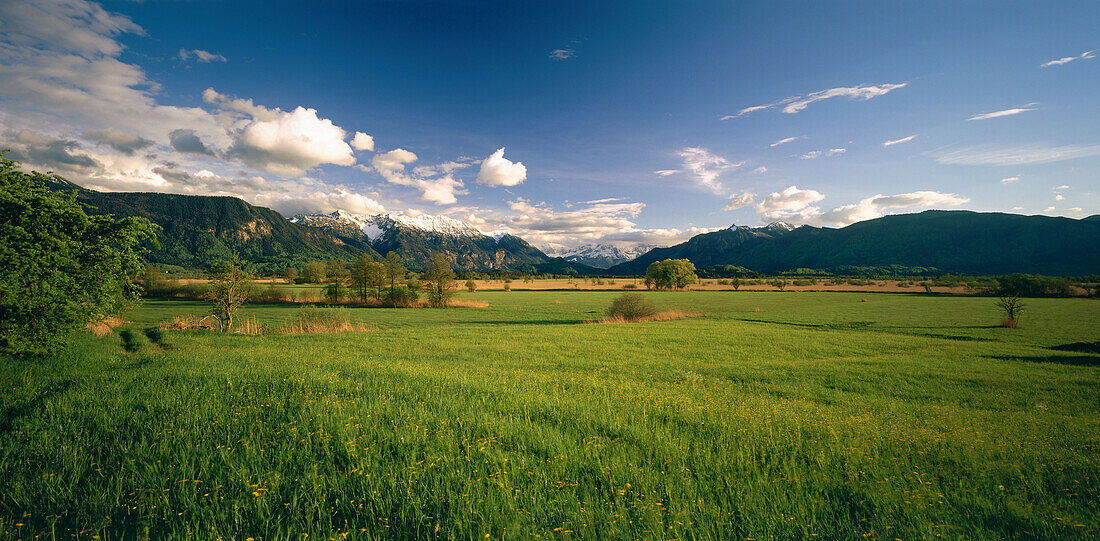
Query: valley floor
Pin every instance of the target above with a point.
(775, 415)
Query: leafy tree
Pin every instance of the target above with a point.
(736, 283)
(366, 274)
(441, 280)
(59, 267)
(337, 274)
(471, 286)
(314, 272)
(670, 273)
(778, 283)
(291, 274)
(230, 286)
(394, 270)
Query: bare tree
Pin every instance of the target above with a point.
(229, 288)
(1012, 307)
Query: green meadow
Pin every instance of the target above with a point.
(771, 416)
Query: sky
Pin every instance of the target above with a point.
(566, 123)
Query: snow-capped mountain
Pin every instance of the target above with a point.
(603, 256)
(417, 237)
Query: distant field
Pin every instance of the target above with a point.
(775, 415)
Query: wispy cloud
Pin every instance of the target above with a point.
(1006, 112)
(563, 54)
(899, 141)
(200, 56)
(1062, 187)
(796, 104)
(787, 140)
(1014, 155)
(819, 153)
(705, 166)
(1009, 180)
(1067, 59)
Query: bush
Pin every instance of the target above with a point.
(630, 286)
(631, 307)
(471, 286)
(311, 319)
(401, 297)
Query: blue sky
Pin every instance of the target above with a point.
(634, 122)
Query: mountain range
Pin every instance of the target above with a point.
(198, 230)
(929, 242)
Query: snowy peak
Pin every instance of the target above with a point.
(774, 228)
(604, 255)
(375, 226)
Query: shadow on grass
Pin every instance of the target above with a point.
(17, 411)
(1072, 360)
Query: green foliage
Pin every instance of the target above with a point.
(778, 283)
(59, 267)
(229, 288)
(441, 280)
(401, 297)
(631, 307)
(1026, 285)
(367, 277)
(471, 286)
(670, 273)
(314, 272)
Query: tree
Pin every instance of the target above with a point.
(366, 273)
(778, 283)
(230, 286)
(471, 286)
(441, 280)
(736, 283)
(337, 274)
(670, 273)
(394, 270)
(59, 267)
(291, 274)
(314, 272)
(1012, 307)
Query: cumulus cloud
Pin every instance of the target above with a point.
(796, 104)
(362, 141)
(786, 140)
(789, 203)
(496, 170)
(1014, 155)
(1005, 112)
(739, 201)
(436, 184)
(899, 141)
(200, 55)
(1067, 59)
(126, 143)
(292, 143)
(187, 141)
(706, 166)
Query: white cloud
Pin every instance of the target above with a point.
(739, 201)
(1059, 197)
(786, 140)
(1074, 209)
(666, 172)
(563, 54)
(899, 141)
(496, 170)
(760, 170)
(1009, 180)
(126, 143)
(1006, 112)
(362, 141)
(791, 203)
(436, 184)
(877, 205)
(705, 166)
(1014, 155)
(1067, 59)
(200, 56)
(1062, 187)
(1048, 209)
(796, 104)
(819, 153)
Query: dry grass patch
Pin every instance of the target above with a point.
(312, 320)
(667, 315)
(190, 322)
(105, 326)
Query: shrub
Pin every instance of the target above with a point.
(631, 307)
(131, 341)
(471, 286)
(190, 322)
(401, 297)
(630, 286)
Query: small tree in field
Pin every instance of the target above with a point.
(1012, 307)
(670, 273)
(471, 286)
(229, 288)
(314, 272)
(291, 274)
(736, 283)
(440, 280)
(366, 274)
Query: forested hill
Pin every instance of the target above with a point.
(199, 230)
(962, 242)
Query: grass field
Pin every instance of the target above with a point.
(774, 416)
